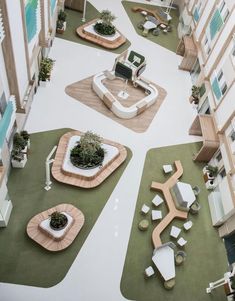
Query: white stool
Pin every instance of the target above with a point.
(157, 200)
(167, 168)
(145, 209)
(149, 271)
(156, 214)
(175, 231)
(181, 242)
(188, 225)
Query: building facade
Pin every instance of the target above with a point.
(211, 30)
(27, 30)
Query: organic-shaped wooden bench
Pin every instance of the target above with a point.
(173, 211)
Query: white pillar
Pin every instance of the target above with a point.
(48, 162)
(84, 12)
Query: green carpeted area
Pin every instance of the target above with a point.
(206, 258)
(168, 40)
(74, 20)
(22, 260)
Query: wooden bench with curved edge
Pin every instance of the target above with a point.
(173, 211)
(44, 239)
(151, 12)
(98, 39)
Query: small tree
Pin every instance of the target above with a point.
(107, 17)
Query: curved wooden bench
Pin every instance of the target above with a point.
(173, 211)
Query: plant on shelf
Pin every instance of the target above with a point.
(19, 142)
(61, 22)
(195, 94)
(88, 152)
(45, 69)
(58, 220)
(104, 26)
(213, 170)
(18, 153)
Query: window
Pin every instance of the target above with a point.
(222, 173)
(232, 135)
(218, 157)
(219, 85)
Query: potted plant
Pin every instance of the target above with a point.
(58, 220)
(18, 158)
(61, 22)
(26, 137)
(46, 66)
(212, 170)
(104, 26)
(195, 95)
(88, 152)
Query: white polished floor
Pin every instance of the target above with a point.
(97, 270)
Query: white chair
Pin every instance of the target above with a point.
(175, 231)
(167, 168)
(181, 242)
(156, 214)
(149, 271)
(188, 225)
(145, 209)
(157, 200)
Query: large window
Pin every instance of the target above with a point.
(219, 85)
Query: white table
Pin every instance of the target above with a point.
(164, 260)
(175, 231)
(156, 214)
(181, 242)
(167, 168)
(149, 271)
(157, 200)
(145, 209)
(149, 25)
(186, 193)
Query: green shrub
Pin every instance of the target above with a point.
(46, 66)
(88, 152)
(62, 16)
(104, 26)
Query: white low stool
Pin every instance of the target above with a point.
(156, 214)
(167, 168)
(145, 209)
(175, 231)
(157, 200)
(181, 242)
(188, 225)
(149, 271)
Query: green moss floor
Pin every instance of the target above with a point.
(206, 257)
(23, 261)
(74, 20)
(169, 40)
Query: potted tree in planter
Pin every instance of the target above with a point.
(46, 66)
(58, 220)
(19, 151)
(61, 22)
(88, 153)
(104, 26)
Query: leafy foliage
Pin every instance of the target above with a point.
(104, 26)
(88, 152)
(45, 69)
(58, 220)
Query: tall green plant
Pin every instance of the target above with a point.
(45, 69)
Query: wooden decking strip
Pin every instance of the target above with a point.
(82, 181)
(45, 240)
(173, 211)
(98, 39)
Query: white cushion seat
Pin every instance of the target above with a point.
(175, 231)
(156, 214)
(145, 209)
(149, 271)
(157, 200)
(181, 242)
(167, 168)
(188, 225)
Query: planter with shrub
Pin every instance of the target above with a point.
(104, 25)
(46, 66)
(61, 22)
(88, 152)
(19, 151)
(58, 221)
